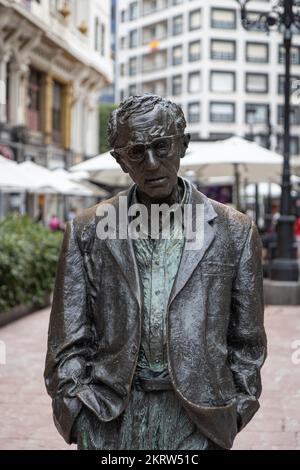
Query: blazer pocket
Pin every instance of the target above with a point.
(210, 268)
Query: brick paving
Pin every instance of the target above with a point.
(25, 409)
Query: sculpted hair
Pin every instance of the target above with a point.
(142, 105)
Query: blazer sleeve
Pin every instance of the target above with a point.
(246, 335)
(69, 337)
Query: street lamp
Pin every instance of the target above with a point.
(284, 16)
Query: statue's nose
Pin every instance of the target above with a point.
(150, 160)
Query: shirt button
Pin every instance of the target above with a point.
(156, 262)
(157, 361)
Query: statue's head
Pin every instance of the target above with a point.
(147, 136)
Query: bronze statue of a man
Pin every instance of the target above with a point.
(152, 344)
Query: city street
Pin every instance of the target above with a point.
(26, 421)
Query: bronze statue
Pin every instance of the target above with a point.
(153, 345)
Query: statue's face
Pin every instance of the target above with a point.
(149, 149)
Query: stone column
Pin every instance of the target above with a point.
(18, 75)
(22, 105)
(66, 115)
(47, 111)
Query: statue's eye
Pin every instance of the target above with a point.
(162, 147)
(137, 151)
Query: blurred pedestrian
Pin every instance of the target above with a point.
(71, 214)
(55, 223)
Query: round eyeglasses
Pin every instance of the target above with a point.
(160, 146)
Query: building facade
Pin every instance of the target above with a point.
(108, 93)
(228, 81)
(54, 61)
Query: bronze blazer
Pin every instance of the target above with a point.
(216, 339)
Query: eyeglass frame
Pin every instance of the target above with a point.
(146, 146)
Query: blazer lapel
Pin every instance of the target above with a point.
(190, 257)
(123, 251)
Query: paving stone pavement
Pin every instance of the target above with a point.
(25, 408)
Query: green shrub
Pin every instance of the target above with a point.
(28, 258)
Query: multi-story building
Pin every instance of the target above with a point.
(108, 93)
(54, 60)
(228, 81)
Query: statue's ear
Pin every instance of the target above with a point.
(185, 142)
(120, 161)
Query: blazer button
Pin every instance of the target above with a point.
(134, 349)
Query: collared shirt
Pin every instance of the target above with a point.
(158, 262)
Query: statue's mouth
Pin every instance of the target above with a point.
(156, 180)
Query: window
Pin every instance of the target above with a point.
(194, 84)
(223, 19)
(193, 112)
(133, 10)
(222, 50)
(294, 145)
(257, 52)
(132, 90)
(295, 82)
(154, 61)
(102, 39)
(97, 34)
(194, 51)
(222, 82)
(150, 6)
(56, 113)
(256, 113)
(177, 2)
(220, 135)
(122, 42)
(177, 55)
(194, 20)
(257, 83)
(133, 38)
(157, 87)
(294, 115)
(55, 5)
(257, 26)
(34, 96)
(222, 112)
(123, 16)
(132, 66)
(295, 55)
(176, 85)
(122, 70)
(177, 25)
(155, 32)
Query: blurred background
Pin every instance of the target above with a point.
(234, 68)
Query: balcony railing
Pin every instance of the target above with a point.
(194, 117)
(159, 37)
(216, 55)
(154, 67)
(219, 117)
(194, 57)
(260, 60)
(223, 24)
